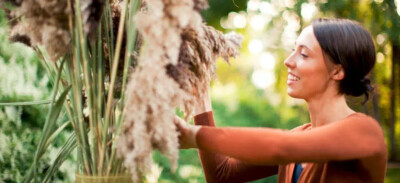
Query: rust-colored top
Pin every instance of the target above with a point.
(350, 150)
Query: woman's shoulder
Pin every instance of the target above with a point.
(368, 129)
(355, 121)
(359, 118)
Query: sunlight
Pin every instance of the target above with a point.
(252, 5)
(380, 39)
(226, 94)
(239, 21)
(267, 61)
(308, 11)
(262, 79)
(257, 22)
(255, 46)
(380, 58)
(268, 8)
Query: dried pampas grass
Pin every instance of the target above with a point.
(40, 22)
(175, 66)
(196, 66)
(43, 23)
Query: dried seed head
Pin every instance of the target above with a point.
(200, 4)
(196, 65)
(175, 65)
(22, 39)
(46, 23)
(153, 96)
(42, 23)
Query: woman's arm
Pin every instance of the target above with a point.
(217, 167)
(357, 136)
(221, 168)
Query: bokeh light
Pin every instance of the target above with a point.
(267, 61)
(257, 22)
(262, 79)
(308, 11)
(239, 21)
(255, 46)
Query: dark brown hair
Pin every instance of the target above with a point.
(347, 43)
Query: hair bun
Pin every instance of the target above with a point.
(363, 88)
(358, 87)
(367, 84)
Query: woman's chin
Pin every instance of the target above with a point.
(292, 93)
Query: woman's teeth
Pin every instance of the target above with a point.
(293, 78)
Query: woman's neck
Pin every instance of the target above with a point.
(325, 110)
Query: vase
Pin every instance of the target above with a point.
(103, 179)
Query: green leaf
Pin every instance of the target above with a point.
(25, 103)
(66, 150)
(56, 133)
(51, 122)
(48, 128)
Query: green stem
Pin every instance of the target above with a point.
(110, 96)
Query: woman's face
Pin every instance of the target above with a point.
(308, 75)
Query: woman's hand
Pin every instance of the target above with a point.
(187, 137)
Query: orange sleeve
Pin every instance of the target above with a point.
(221, 168)
(357, 136)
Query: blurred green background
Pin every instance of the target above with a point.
(251, 91)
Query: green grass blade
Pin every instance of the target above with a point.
(48, 128)
(81, 44)
(51, 122)
(38, 102)
(47, 125)
(56, 132)
(66, 150)
(110, 96)
(130, 47)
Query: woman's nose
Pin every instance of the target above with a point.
(289, 62)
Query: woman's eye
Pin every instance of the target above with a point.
(303, 55)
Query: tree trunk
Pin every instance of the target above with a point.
(393, 99)
(375, 101)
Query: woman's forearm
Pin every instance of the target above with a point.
(221, 168)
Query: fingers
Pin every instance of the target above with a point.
(179, 122)
(186, 132)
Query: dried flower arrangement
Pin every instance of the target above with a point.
(175, 64)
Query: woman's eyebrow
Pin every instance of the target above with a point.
(305, 46)
(302, 46)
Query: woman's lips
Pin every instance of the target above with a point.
(292, 79)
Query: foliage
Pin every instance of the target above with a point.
(20, 126)
(219, 9)
(18, 141)
(392, 175)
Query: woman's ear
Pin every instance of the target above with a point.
(337, 72)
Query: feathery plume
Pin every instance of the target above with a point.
(175, 65)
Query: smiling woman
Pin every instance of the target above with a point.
(331, 59)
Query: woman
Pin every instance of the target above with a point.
(331, 59)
